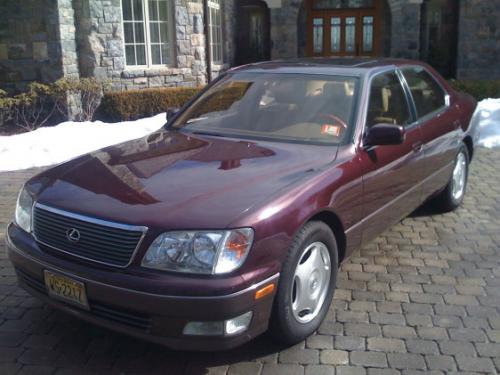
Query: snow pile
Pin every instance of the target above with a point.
(487, 119)
(53, 145)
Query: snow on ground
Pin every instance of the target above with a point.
(53, 145)
(487, 118)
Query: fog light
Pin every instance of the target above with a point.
(204, 329)
(228, 328)
(238, 324)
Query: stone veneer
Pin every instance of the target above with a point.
(479, 39)
(102, 55)
(37, 42)
(43, 40)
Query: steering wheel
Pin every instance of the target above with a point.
(329, 117)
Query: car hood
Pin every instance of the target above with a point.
(175, 180)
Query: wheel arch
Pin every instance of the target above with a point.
(333, 221)
(470, 146)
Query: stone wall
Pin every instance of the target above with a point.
(29, 42)
(284, 25)
(405, 28)
(102, 55)
(479, 39)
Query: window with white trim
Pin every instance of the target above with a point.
(147, 32)
(215, 27)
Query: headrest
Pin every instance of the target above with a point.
(334, 90)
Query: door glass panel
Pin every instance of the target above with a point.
(335, 34)
(336, 4)
(368, 34)
(350, 34)
(256, 34)
(427, 93)
(318, 35)
(387, 101)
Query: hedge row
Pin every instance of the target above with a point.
(479, 89)
(134, 104)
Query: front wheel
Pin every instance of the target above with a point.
(453, 195)
(307, 284)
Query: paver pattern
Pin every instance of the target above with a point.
(424, 298)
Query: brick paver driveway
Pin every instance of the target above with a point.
(422, 298)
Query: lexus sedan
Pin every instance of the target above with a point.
(234, 218)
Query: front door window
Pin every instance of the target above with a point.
(368, 34)
(335, 36)
(343, 28)
(388, 102)
(318, 35)
(350, 34)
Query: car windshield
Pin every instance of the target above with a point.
(288, 107)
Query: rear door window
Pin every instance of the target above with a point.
(428, 95)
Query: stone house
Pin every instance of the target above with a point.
(154, 43)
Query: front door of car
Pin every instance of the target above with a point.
(392, 173)
(439, 125)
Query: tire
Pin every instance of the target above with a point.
(453, 194)
(291, 320)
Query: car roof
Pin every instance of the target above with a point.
(325, 65)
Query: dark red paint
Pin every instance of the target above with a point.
(170, 180)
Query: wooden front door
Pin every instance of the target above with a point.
(343, 31)
(253, 32)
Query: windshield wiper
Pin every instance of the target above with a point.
(201, 132)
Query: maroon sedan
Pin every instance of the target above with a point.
(234, 218)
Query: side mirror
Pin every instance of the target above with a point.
(384, 135)
(171, 112)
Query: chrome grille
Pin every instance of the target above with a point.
(99, 241)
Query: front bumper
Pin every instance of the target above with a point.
(151, 316)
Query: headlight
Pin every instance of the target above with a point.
(207, 252)
(24, 209)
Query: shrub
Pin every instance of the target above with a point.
(34, 107)
(479, 89)
(134, 104)
(85, 94)
(6, 108)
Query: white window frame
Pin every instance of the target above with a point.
(147, 36)
(215, 30)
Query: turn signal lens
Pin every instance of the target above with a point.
(261, 293)
(235, 250)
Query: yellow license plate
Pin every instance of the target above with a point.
(66, 289)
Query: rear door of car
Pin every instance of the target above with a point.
(439, 123)
(391, 174)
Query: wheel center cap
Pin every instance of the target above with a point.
(314, 283)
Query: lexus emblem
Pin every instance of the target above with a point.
(73, 235)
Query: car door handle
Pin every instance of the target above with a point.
(417, 146)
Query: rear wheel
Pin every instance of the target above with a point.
(307, 284)
(453, 195)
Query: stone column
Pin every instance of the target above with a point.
(69, 56)
(479, 40)
(405, 41)
(67, 37)
(284, 16)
